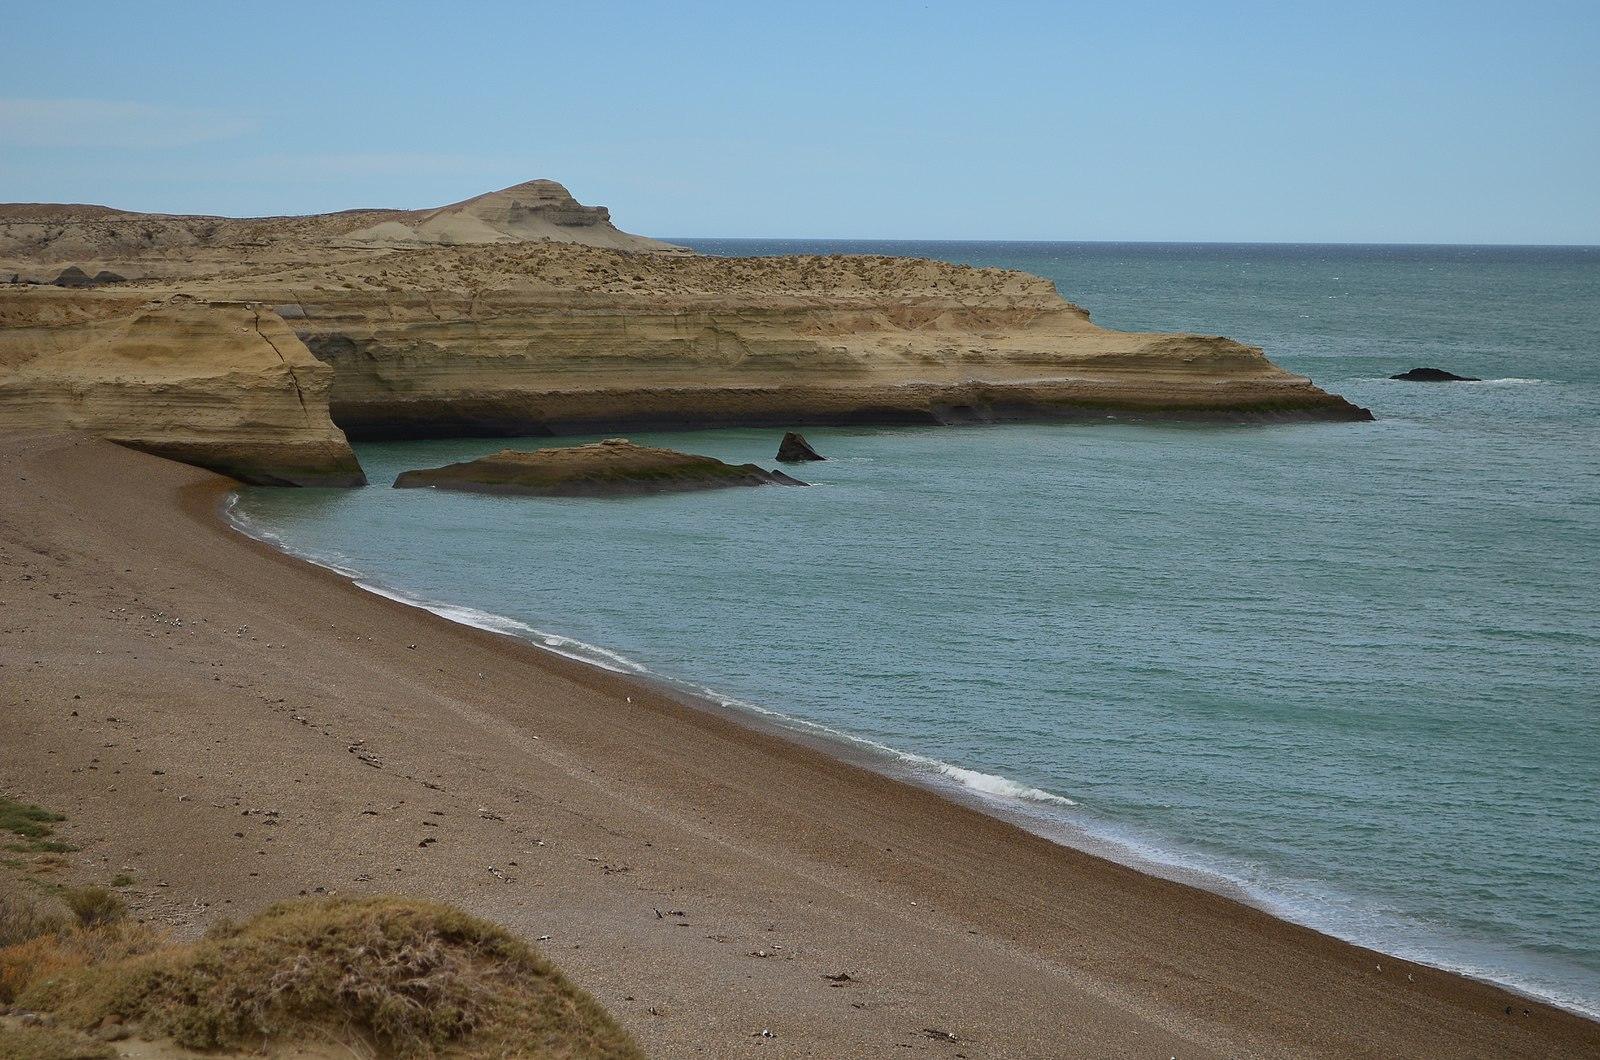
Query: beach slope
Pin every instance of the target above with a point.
(230, 726)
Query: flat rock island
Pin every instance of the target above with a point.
(1434, 375)
(612, 468)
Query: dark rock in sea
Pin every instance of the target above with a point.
(1434, 375)
(794, 449)
(613, 468)
(72, 276)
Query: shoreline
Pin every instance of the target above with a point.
(1035, 815)
(621, 798)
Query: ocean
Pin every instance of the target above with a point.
(1348, 672)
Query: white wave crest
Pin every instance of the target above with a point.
(569, 647)
(990, 784)
(982, 783)
(986, 784)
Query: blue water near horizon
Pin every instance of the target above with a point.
(1350, 671)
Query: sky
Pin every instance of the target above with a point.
(1431, 122)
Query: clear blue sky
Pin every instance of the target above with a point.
(1277, 121)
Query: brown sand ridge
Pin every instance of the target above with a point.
(525, 312)
(229, 727)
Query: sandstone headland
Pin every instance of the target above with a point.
(257, 346)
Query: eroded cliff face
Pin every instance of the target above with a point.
(547, 340)
(240, 344)
(227, 387)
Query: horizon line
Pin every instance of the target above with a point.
(1147, 242)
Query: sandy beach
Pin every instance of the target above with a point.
(230, 726)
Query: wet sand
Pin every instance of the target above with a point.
(231, 726)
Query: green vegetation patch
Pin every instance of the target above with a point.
(33, 827)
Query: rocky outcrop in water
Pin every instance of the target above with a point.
(613, 468)
(794, 449)
(1434, 375)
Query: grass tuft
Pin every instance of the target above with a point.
(408, 978)
(46, 1043)
(94, 906)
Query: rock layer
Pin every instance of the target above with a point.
(500, 316)
(613, 468)
(545, 340)
(227, 387)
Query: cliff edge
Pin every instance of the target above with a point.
(227, 387)
(254, 346)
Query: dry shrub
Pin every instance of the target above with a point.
(94, 905)
(37, 966)
(44, 936)
(26, 916)
(40, 957)
(412, 978)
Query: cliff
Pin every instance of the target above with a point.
(544, 339)
(525, 312)
(228, 387)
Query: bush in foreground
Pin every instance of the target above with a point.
(408, 978)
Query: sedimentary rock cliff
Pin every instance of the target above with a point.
(227, 387)
(564, 339)
(525, 312)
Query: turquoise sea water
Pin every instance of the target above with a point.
(1349, 671)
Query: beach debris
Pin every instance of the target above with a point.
(428, 842)
(764, 1032)
(938, 1035)
(497, 874)
(544, 938)
(488, 814)
(842, 977)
